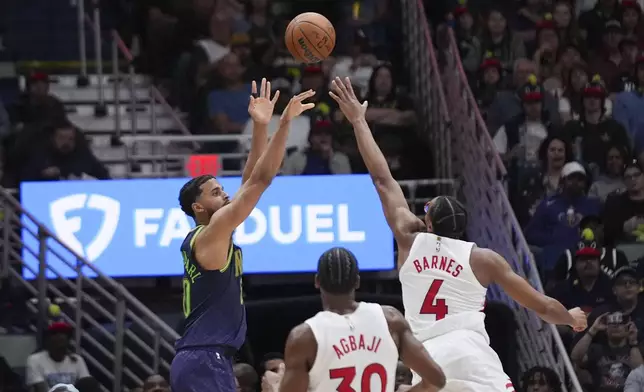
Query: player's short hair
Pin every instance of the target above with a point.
(338, 271)
(190, 191)
(448, 217)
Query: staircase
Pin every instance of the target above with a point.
(121, 340)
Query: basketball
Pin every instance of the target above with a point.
(310, 37)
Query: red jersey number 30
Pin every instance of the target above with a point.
(433, 305)
(348, 374)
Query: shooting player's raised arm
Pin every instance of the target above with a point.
(225, 220)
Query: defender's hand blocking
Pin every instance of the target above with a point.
(295, 106)
(261, 107)
(344, 95)
(580, 320)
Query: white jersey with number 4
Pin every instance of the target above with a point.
(355, 351)
(439, 289)
(443, 305)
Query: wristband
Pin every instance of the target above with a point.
(634, 345)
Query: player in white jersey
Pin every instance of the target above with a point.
(444, 279)
(350, 346)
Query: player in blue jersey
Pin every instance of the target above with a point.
(213, 304)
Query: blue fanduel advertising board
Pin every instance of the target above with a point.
(129, 228)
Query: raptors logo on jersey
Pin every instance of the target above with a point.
(355, 352)
(440, 291)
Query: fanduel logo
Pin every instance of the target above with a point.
(66, 226)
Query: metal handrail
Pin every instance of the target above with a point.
(86, 264)
(119, 47)
(94, 298)
(469, 95)
(166, 139)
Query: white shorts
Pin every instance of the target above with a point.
(469, 363)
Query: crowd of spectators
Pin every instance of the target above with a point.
(39, 143)
(560, 86)
(216, 57)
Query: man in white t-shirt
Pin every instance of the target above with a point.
(56, 364)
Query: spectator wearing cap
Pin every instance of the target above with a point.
(518, 140)
(546, 48)
(36, 105)
(592, 22)
(607, 352)
(320, 157)
(626, 289)
(555, 224)
(586, 287)
(627, 109)
(507, 105)
(624, 213)
(469, 44)
(607, 61)
(610, 179)
(632, 22)
(592, 236)
(594, 132)
(56, 364)
(488, 82)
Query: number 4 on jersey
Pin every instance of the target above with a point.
(433, 305)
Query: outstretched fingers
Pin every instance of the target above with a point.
(349, 87)
(342, 88)
(335, 84)
(307, 106)
(275, 97)
(302, 96)
(262, 90)
(335, 97)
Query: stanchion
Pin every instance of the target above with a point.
(100, 110)
(82, 80)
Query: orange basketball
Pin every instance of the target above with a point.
(310, 37)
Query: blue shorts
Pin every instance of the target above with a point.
(202, 370)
